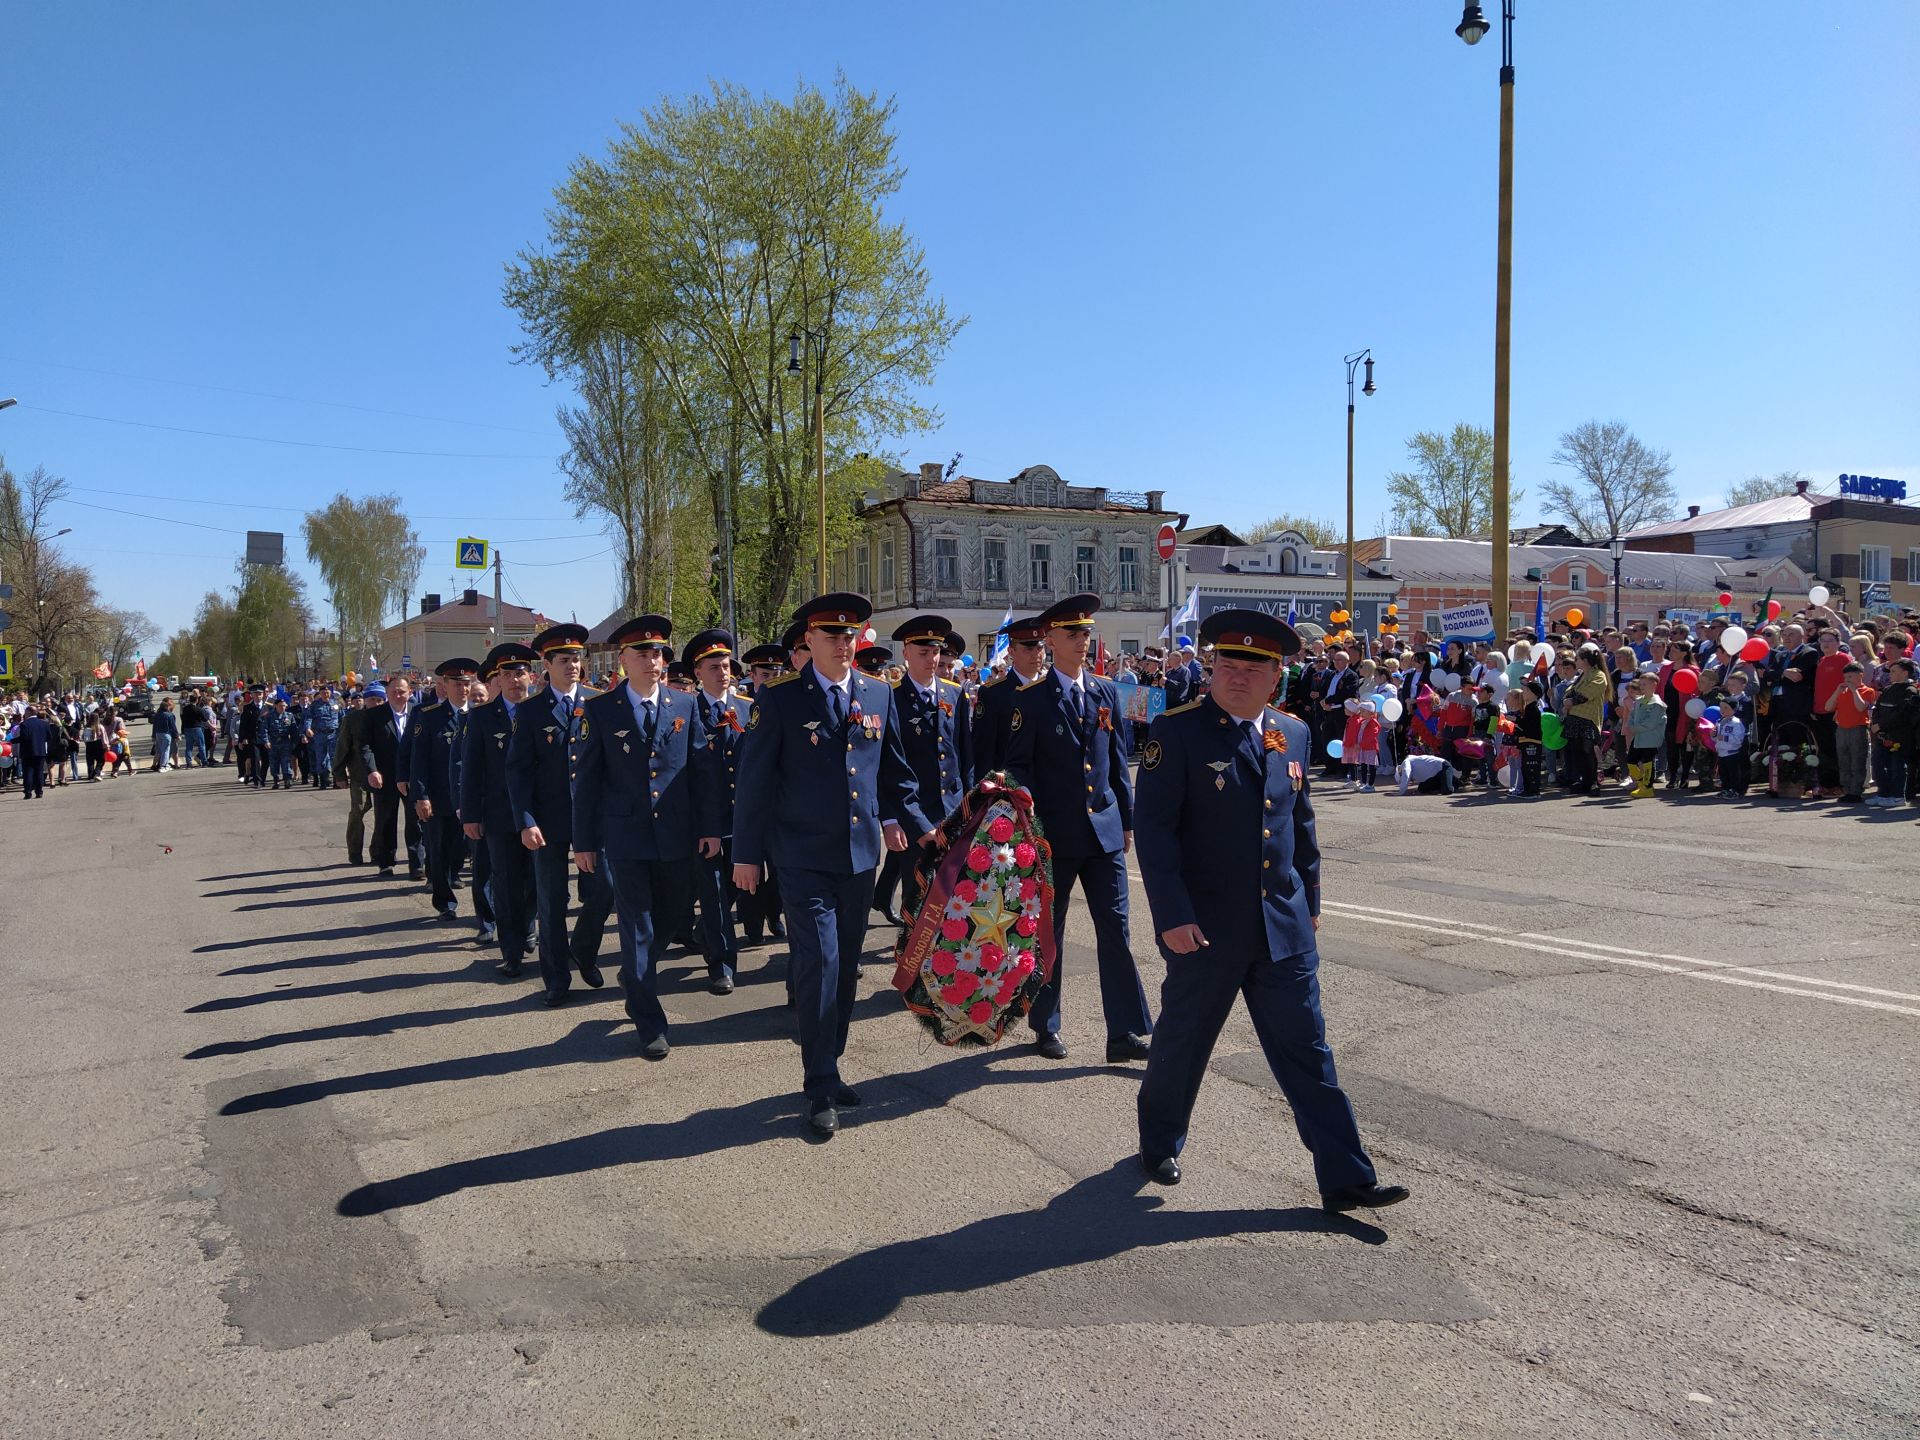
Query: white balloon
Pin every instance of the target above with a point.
(1732, 638)
(1542, 650)
(1696, 707)
(1449, 681)
(1392, 710)
(1819, 595)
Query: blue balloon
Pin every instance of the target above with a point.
(1379, 703)
(967, 660)
(1712, 713)
(1335, 749)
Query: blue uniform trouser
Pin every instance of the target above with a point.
(282, 759)
(511, 884)
(552, 866)
(1123, 999)
(483, 887)
(826, 928)
(441, 830)
(1283, 997)
(713, 884)
(323, 757)
(642, 888)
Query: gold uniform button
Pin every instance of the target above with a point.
(1266, 834)
(856, 795)
(853, 770)
(1266, 864)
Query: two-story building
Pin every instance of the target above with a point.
(1275, 575)
(974, 549)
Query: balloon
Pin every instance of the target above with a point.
(1733, 639)
(1551, 735)
(1773, 609)
(1505, 776)
(967, 661)
(1819, 595)
(1686, 681)
(1576, 616)
(1335, 749)
(1726, 598)
(1542, 650)
(1696, 707)
(1712, 713)
(1754, 649)
(1393, 609)
(1391, 711)
(1449, 682)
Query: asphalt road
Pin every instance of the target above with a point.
(282, 1160)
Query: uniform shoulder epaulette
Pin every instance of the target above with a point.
(743, 694)
(951, 684)
(783, 679)
(1033, 682)
(1182, 709)
(892, 684)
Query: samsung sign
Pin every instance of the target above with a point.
(1875, 485)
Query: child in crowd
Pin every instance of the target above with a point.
(1730, 746)
(1524, 708)
(1486, 728)
(1386, 687)
(1896, 730)
(1360, 746)
(1852, 707)
(1646, 732)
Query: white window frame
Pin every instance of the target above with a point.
(1040, 553)
(1086, 567)
(886, 563)
(1577, 580)
(1882, 571)
(1128, 566)
(943, 581)
(862, 569)
(987, 562)
(1913, 565)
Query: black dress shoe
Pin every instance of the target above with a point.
(1363, 1197)
(386, 872)
(512, 970)
(777, 929)
(846, 1097)
(656, 1048)
(415, 875)
(750, 937)
(554, 999)
(1127, 1047)
(1161, 1172)
(1051, 1046)
(822, 1117)
(590, 973)
(720, 985)
(889, 914)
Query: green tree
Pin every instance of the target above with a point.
(56, 609)
(213, 635)
(122, 633)
(1448, 489)
(713, 233)
(361, 548)
(269, 620)
(1620, 483)
(1756, 488)
(1321, 534)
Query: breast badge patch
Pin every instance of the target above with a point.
(1018, 717)
(1149, 757)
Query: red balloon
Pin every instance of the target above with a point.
(1726, 598)
(1773, 609)
(1686, 681)
(1754, 649)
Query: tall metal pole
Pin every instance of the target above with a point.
(1352, 362)
(499, 615)
(1503, 333)
(820, 442)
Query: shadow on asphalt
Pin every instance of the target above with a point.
(349, 957)
(321, 937)
(268, 874)
(1102, 1216)
(305, 902)
(464, 973)
(392, 1024)
(287, 887)
(705, 1132)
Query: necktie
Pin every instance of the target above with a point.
(647, 707)
(1080, 704)
(837, 706)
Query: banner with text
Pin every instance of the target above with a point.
(1141, 702)
(1473, 623)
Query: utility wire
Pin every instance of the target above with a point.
(276, 440)
(228, 530)
(298, 510)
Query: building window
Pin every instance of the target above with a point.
(886, 563)
(1040, 565)
(946, 563)
(1913, 567)
(995, 555)
(1085, 566)
(1576, 581)
(1430, 622)
(1289, 561)
(1129, 569)
(1876, 564)
(862, 566)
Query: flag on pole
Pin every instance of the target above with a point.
(1000, 639)
(1189, 613)
(1539, 613)
(1293, 608)
(102, 671)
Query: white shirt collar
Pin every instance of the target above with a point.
(844, 685)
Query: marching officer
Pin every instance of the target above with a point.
(323, 729)
(430, 779)
(873, 659)
(765, 664)
(1232, 869)
(723, 722)
(1064, 745)
(992, 717)
(486, 808)
(540, 788)
(761, 909)
(824, 787)
(936, 728)
(636, 793)
(478, 694)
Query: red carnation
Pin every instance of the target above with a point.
(980, 1012)
(1025, 966)
(991, 956)
(1026, 925)
(953, 994)
(943, 963)
(964, 984)
(1001, 830)
(953, 929)
(1029, 887)
(1024, 854)
(979, 857)
(1007, 988)
(966, 892)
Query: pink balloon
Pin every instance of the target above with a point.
(1686, 681)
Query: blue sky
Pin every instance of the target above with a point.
(1166, 222)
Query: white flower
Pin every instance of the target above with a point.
(956, 908)
(1031, 908)
(970, 955)
(1003, 857)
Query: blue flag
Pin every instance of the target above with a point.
(1292, 608)
(1539, 614)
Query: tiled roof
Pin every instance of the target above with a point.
(1781, 510)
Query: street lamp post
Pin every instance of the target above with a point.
(1472, 27)
(1353, 361)
(812, 338)
(1619, 548)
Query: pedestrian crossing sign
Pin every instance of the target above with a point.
(6, 662)
(470, 554)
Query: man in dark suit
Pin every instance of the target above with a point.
(636, 793)
(1232, 870)
(35, 740)
(936, 728)
(993, 715)
(540, 787)
(760, 910)
(381, 731)
(1064, 745)
(723, 724)
(486, 809)
(430, 780)
(824, 788)
(348, 771)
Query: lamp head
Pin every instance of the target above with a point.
(1618, 546)
(1472, 26)
(793, 352)
(1367, 389)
